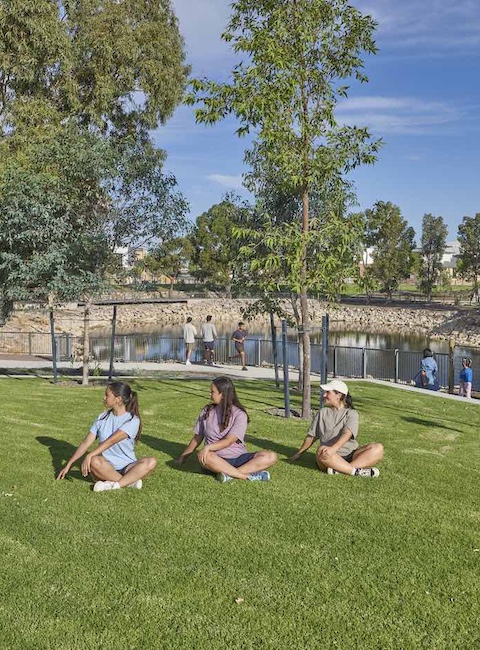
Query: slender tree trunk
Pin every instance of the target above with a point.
(86, 343)
(306, 393)
(298, 322)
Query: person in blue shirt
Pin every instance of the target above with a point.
(466, 378)
(113, 463)
(428, 375)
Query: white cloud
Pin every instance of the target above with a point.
(229, 182)
(397, 114)
(434, 24)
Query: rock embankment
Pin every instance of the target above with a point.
(463, 326)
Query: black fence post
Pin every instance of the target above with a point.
(324, 357)
(286, 384)
(112, 342)
(274, 348)
(451, 370)
(54, 347)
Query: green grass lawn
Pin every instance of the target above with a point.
(315, 561)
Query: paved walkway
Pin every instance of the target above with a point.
(41, 366)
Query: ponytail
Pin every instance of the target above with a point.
(130, 399)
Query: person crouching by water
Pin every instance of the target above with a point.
(222, 425)
(336, 427)
(113, 464)
(427, 377)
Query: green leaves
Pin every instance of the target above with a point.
(434, 237)
(393, 242)
(469, 239)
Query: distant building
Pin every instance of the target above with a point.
(451, 256)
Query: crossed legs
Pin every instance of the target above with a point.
(261, 460)
(102, 470)
(363, 457)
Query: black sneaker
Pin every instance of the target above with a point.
(369, 472)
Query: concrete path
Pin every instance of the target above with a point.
(41, 366)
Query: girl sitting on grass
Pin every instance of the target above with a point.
(113, 463)
(222, 425)
(336, 427)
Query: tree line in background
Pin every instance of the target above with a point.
(381, 253)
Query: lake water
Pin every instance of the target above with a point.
(339, 335)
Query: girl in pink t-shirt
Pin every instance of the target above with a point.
(222, 425)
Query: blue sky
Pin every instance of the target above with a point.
(423, 99)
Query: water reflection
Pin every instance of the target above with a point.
(339, 335)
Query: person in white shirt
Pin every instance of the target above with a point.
(189, 334)
(209, 334)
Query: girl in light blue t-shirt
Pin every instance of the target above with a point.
(113, 463)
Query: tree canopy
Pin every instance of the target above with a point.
(469, 239)
(116, 65)
(81, 84)
(214, 250)
(393, 241)
(433, 242)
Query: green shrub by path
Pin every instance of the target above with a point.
(314, 561)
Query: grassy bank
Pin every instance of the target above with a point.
(313, 561)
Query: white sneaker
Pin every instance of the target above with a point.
(332, 471)
(101, 486)
(188, 363)
(137, 485)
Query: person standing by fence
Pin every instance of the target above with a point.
(209, 333)
(466, 378)
(238, 337)
(189, 334)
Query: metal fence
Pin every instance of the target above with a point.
(388, 365)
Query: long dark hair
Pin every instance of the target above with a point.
(129, 398)
(347, 400)
(225, 386)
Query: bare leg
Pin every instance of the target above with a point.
(243, 358)
(461, 389)
(468, 389)
(140, 469)
(337, 463)
(261, 460)
(102, 470)
(219, 465)
(366, 456)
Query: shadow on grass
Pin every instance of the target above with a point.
(173, 449)
(250, 393)
(428, 423)
(60, 452)
(306, 460)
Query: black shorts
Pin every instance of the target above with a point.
(240, 460)
(349, 457)
(208, 345)
(124, 469)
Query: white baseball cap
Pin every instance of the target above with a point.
(337, 385)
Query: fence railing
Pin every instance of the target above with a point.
(385, 364)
